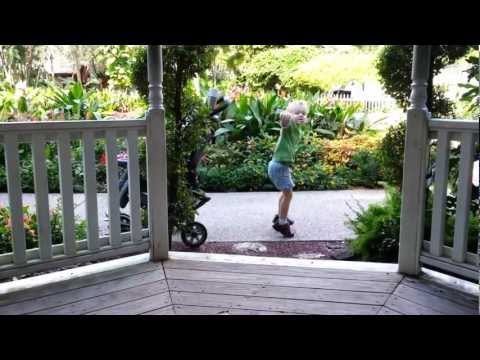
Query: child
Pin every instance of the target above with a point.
(279, 168)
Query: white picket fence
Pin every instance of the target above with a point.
(368, 105)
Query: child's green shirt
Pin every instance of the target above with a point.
(287, 144)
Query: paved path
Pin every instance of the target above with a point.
(319, 215)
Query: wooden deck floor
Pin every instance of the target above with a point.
(206, 288)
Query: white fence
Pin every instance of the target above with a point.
(71, 251)
(368, 105)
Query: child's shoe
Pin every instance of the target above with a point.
(283, 229)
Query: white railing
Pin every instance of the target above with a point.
(71, 251)
(456, 259)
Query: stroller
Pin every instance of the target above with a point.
(193, 234)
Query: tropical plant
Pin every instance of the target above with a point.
(251, 116)
(336, 120)
(73, 103)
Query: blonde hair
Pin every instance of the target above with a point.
(296, 105)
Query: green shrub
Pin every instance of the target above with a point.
(320, 164)
(364, 169)
(377, 229)
(275, 66)
(391, 154)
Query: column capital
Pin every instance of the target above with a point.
(155, 76)
(420, 74)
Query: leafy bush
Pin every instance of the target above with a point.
(275, 66)
(112, 65)
(337, 152)
(31, 230)
(364, 169)
(377, 229)
(391, 154)
(320, 164)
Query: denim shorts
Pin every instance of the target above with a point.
(280, 175)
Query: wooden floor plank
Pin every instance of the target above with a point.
(66, 285)
(434, 302)
(441, 291)
(406, 307)
(210, 310)
(167, 310)
(77, 294)
(386, 311)
(277, 280)
(136, 307)
(283, 270)
(108, 300)
(271, 304)
(285, 292)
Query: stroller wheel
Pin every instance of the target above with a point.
(194, 234)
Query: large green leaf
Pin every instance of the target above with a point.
(222, 131)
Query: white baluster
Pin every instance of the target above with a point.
(440, 195)
(90, 185)
(113, 191)
(41, 196)
(14, 186)
(66, 188)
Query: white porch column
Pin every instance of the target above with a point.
(414, 168)
(157, 158)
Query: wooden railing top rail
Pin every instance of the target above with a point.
(453, 125)
(73, 125)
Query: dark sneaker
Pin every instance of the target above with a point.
(283, 229)
(275, 220)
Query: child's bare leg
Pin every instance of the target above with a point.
(280, 201)
(284, 205)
